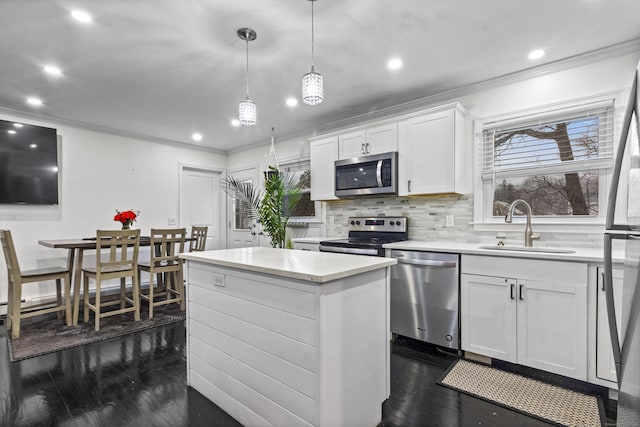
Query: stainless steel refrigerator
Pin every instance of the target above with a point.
(623, 227)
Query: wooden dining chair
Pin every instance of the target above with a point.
(164, 262)
(200, 236)
(116, 258)
(17, 278)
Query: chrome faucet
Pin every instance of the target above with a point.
(528, 231)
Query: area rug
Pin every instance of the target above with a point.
(544, 401)
(46, 334)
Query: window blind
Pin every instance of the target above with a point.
(575, 140)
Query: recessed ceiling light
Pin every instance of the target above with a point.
(292, 102)
(18, 125)
(52, 70)
(11, 131)
(394, 64)
(34, 101)
(536, 54)
(196, 136)
(33, 146)
(235, 122)
(81, 16)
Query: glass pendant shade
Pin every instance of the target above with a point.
(312, 89)
(247, 112)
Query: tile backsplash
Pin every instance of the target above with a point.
(427, 220)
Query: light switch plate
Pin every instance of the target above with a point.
(171, 221)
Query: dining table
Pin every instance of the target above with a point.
(76, 248)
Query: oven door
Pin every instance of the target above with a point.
(369, 175)
(352, 250)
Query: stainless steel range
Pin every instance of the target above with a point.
(368, 234)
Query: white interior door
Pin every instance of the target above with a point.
(244, 231)
(202, 203)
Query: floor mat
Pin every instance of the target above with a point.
(46, 334)
(536, 398)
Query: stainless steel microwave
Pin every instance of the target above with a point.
(367, 175)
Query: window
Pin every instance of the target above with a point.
(300, 172)
(557, 162)
(242, 214)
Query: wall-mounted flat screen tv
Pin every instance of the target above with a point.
(28, 164)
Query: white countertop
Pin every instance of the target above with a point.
(580, 254)
(318, 267)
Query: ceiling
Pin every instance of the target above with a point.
(165, 69)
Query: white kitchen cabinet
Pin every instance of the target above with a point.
(324, 152)
(371, 140)
(306, 246)
(605, 365)
(435, 152)
(525, 311)
(488, 316)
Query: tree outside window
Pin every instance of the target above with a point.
(554, 164)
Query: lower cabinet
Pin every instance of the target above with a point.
(530, 312)
(306, 246)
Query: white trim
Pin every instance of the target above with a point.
(575, 107)
(482, 212)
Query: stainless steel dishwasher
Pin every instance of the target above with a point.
(424, 296)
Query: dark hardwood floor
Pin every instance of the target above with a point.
(140, 380)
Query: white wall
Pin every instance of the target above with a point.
(286, 150)
(99, 174)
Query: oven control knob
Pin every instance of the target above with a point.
(353, 222)
(357, 222)
(392, 223)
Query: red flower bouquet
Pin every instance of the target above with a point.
(126, 218)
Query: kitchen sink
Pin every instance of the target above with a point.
(526, 249)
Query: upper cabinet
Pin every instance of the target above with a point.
(324, 152)
(435, 152)
(371, 140)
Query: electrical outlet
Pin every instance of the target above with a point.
(448, 221)
(171, 221)
(218, 280)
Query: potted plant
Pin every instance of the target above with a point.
(271, 205)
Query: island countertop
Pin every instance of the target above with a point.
(318, 267)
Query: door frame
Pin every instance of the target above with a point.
(229, 203)
(222, 218)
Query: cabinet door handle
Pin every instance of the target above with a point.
(364, 150)
(409, 186)
(603, 285)
(511, 288)
(521, 287)
(367, 147)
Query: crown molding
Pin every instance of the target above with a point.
(620, 49)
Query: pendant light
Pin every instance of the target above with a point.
(312, 90)
(247, 108)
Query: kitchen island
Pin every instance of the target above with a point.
(287, 337)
